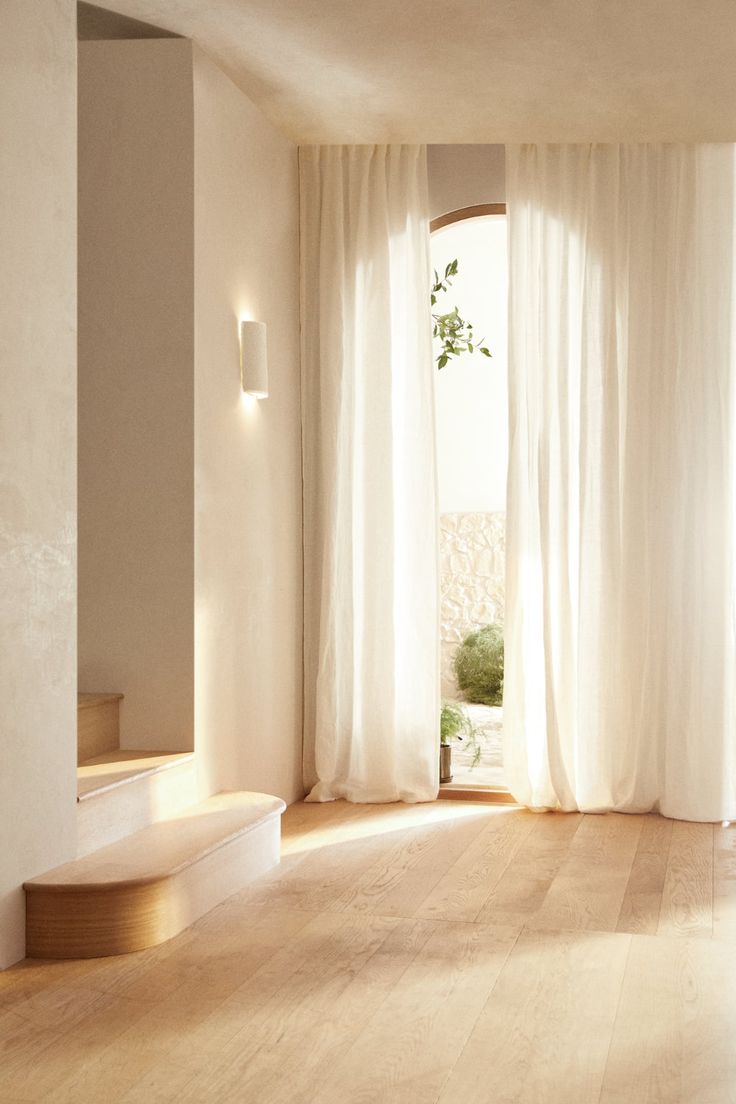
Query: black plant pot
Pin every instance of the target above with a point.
(445, 763)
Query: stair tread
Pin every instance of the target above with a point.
(84, 701)
(116, 768)
(165, 848)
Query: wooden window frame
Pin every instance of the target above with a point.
(478, 210)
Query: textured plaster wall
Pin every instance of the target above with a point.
(471, 580)
(248, 558)
(136, 385)
(199, 218)
(37, 451)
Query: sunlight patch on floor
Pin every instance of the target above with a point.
(382, 819)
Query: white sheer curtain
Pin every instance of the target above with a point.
(620, 659)
(370, 533)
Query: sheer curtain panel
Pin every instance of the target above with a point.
(370, 529)
(621, 663)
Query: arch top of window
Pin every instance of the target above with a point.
(478, 210)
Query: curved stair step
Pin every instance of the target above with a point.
(151, 885)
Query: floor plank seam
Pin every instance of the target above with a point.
(464, 1047)
(619, 1001)
(713, 886)
(518, 845)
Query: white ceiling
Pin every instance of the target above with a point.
(473, 70)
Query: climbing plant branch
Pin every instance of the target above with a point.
(455, 334)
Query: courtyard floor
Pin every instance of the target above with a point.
(488, 719)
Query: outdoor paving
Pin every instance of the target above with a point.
(489, 771)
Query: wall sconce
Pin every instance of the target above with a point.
(253, 359)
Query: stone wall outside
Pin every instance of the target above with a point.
(472, 554)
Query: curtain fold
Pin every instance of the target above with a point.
(370, 530)
(620, 688)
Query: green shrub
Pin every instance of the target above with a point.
(478, 665)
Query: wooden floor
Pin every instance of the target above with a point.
(452, 953)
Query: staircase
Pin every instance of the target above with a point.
(151, 858)
(98, 724)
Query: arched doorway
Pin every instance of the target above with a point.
(472, 447)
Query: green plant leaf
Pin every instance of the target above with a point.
(455, 333)
(455, 724)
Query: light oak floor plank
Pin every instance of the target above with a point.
(519, 893)
(401, 879)
(446, 952)
(543, 1035)
(724, 882)
(463, 891)
(673, 1040)
(687, 895)
(588, 889)
(403, 1055)
(642, 901)
(292, 1033)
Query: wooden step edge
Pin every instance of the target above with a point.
(456, 791)
(92, 921)
(174, 759)
(119, 918)
(41, 886)
(86, 701)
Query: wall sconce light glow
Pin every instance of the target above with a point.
(253, 359)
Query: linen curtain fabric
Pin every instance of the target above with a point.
(620, 656)
(370, 508)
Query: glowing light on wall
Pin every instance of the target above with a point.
(253, 359)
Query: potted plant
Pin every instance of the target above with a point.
(455, 724)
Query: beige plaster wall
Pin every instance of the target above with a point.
(136, 384)
(248, 566)
(190, 496)
(463, 175)
(38, 451)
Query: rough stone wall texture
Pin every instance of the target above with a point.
(472, 553)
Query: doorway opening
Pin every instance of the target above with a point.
(472, 456)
